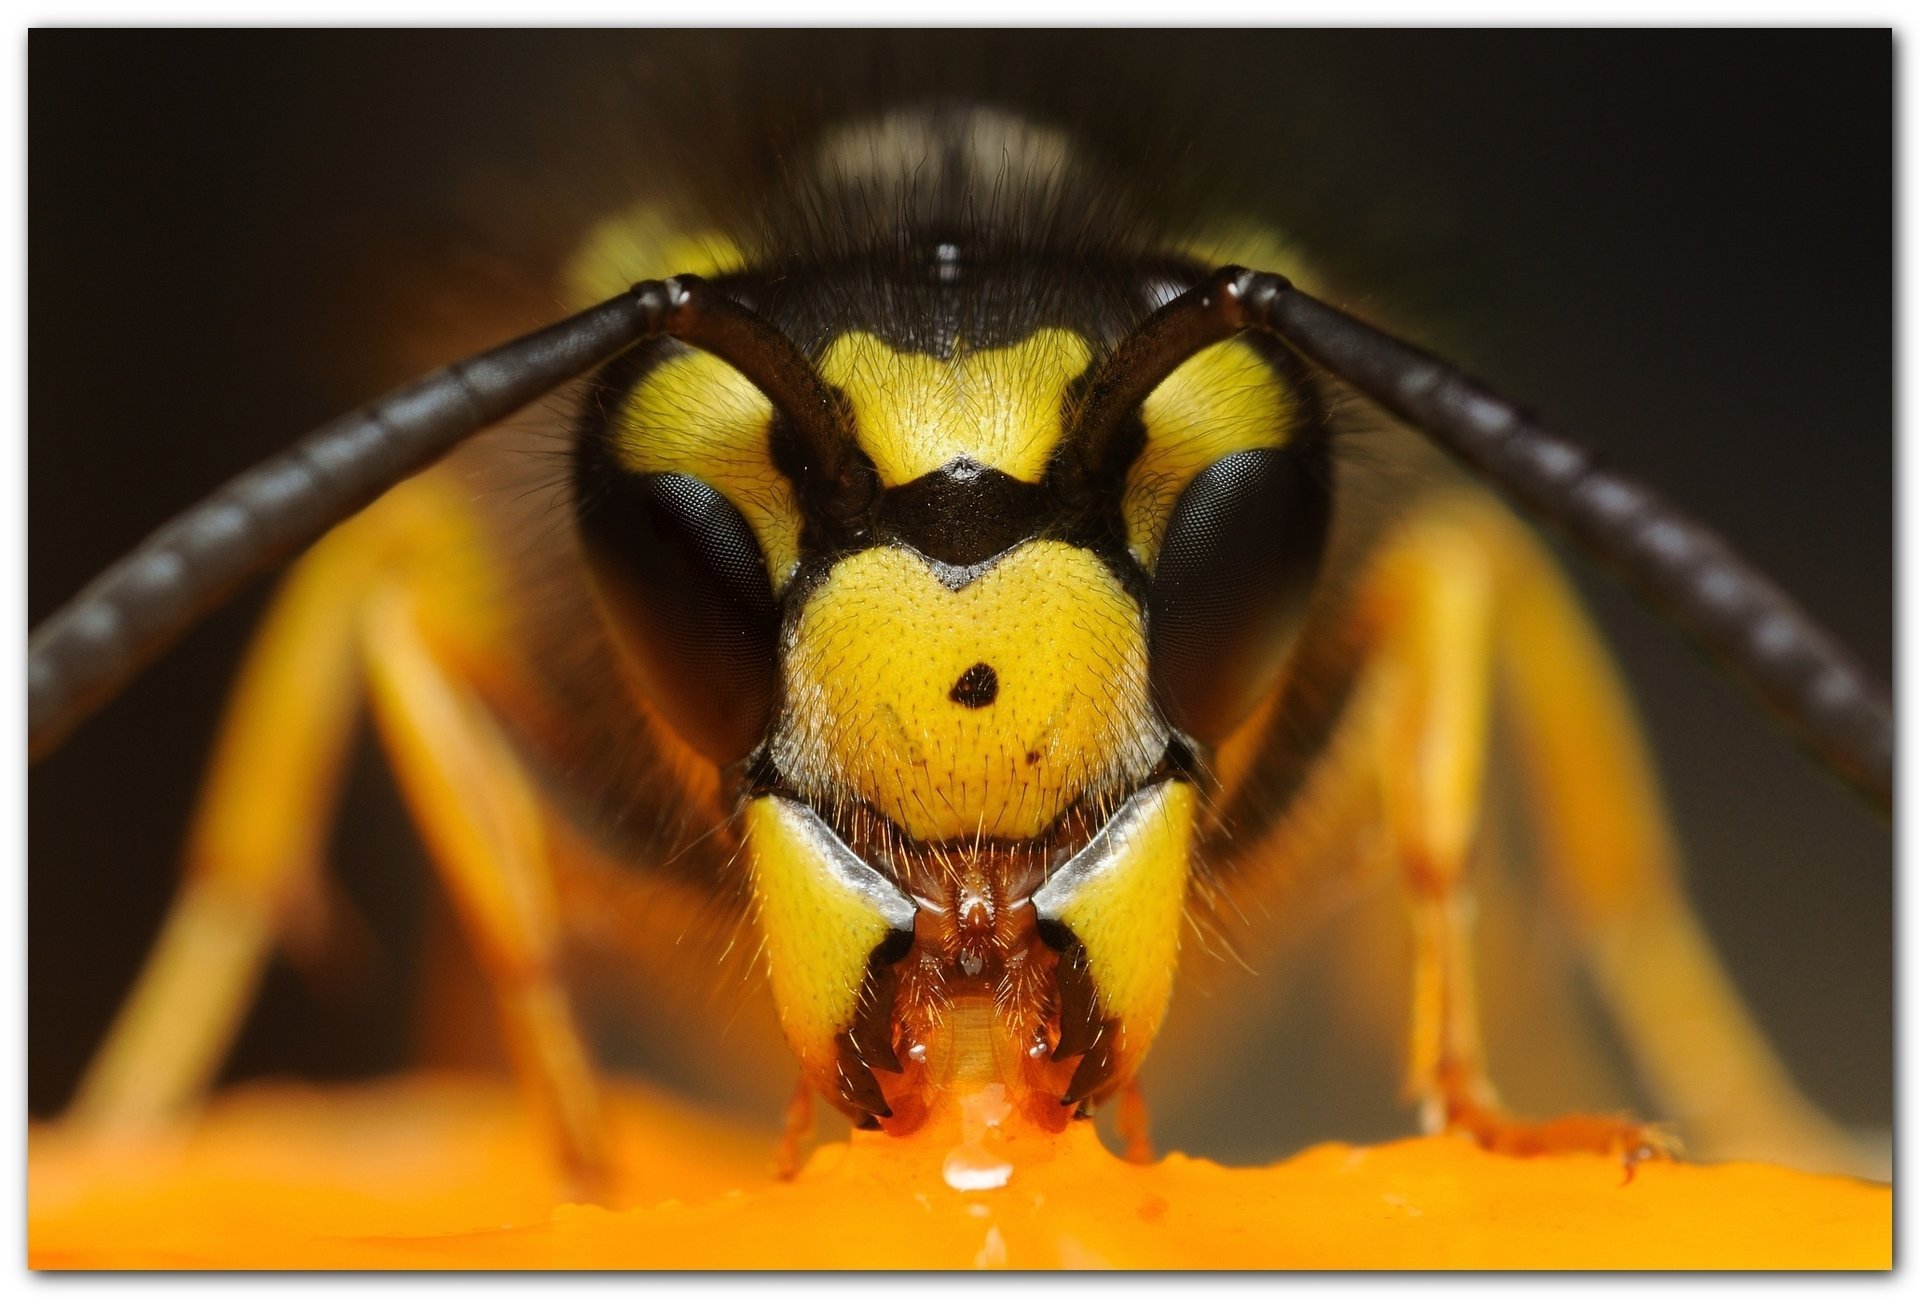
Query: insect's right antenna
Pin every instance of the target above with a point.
(85, 652)
(1794, 666)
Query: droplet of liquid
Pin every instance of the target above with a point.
(969, 1167)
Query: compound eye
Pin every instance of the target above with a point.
(684, 586)
(1241, 552)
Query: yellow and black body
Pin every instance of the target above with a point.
(967, 728)
(961, 735)
(964, 735)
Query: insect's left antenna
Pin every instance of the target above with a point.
(1792, 665)
(84, 653)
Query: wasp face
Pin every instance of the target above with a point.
(969, 727)
(970, 747)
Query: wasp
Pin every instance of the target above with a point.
(961, 584)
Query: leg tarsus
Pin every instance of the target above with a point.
(552, 1063)
(796, 1134)
(1613, 1135)
(1135, 1125)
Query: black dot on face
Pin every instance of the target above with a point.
(978, 686)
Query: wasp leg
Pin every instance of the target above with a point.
(1136, 1126)
(253, 851)
(483, 822)
(1605, 835)
(1427, 612)
(1464, 597)
(795, 1133)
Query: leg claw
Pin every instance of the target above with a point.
(1633, 1143)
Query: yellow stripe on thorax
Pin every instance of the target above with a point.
(1000, 406)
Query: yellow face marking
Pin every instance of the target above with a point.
(694, 414)
(1124, 896)
(1000, 407)
(1226, 399)
(821, 912)
(697, 415)
(877, 659)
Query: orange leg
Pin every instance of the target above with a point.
(484, 825)
(1461, 599)
(1429, 611)
(1429, 617)
(391, 596)
(1617, 869)
(795, 1134)
(1135, 1123)
(253, 852)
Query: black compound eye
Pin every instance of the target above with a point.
(1240, 556)
(685, 587)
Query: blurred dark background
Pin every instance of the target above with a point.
(1676, 244)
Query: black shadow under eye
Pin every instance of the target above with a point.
(1241, 552)
(685, 587)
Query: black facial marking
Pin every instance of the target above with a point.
(964, 513)
(978, 686)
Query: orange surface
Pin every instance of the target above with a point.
(444, 1173)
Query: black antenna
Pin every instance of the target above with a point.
(1797, 669)
(84, 653)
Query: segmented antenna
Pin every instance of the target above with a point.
(1792, 665)
(83, 654)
